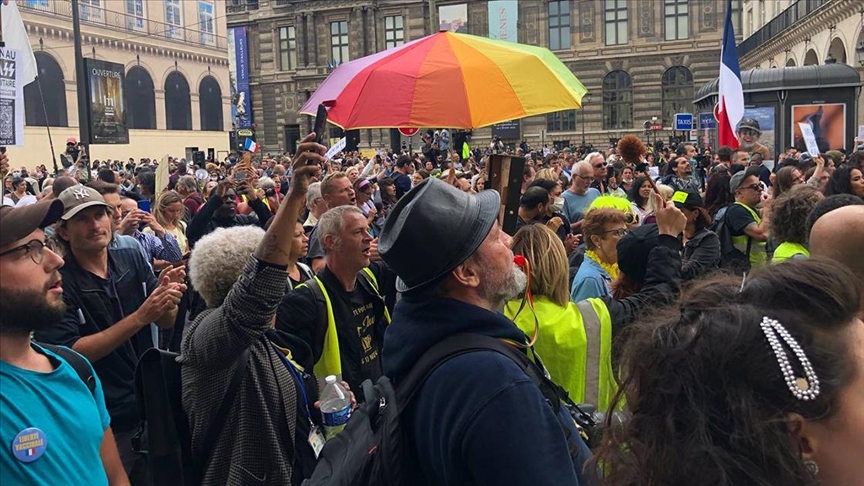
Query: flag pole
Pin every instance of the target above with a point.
(47, 124)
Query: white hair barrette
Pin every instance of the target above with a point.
(803, 388)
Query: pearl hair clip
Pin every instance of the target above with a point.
(803, 388)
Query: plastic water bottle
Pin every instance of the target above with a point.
(335, 407)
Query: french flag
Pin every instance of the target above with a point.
(731, 92)
(252, 146)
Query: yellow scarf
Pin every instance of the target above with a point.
(612, 269)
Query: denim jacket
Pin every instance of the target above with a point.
(590, 281)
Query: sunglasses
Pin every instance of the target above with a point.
(600, 165)
(755, 187)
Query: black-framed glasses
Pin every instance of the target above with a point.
(602, 164)
(35, 249)
(617, 232)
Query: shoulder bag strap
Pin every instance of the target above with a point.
(222, 414)
(78, 363)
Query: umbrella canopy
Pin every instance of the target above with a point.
(447, 80)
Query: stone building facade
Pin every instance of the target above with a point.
(176, 88)
(638, 58)
(782, 33)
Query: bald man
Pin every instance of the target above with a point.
(838, 235)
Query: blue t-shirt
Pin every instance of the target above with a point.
(575, 204)
(72, 422)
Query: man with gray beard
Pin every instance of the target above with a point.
(478, 418)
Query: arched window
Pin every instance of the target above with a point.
(178, 103)
(210, 101)
(53, 92)
(140, 99)
(837, 50)
(810, 58)
(677, 93)
(617, 100)
(790, 62)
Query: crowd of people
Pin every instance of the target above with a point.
(707, 302)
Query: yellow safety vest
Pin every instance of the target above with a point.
(754, 249)
(330, 362)
(575, 344)
(787, 250)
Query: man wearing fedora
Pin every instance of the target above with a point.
(478, 418)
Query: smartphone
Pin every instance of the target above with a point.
(239, 176)
(2, 150)
(144, 205)
(320, 123)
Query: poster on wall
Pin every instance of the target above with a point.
(453, 18)
(11, 99)
(503, 16)
(105, 95)
(238, 72)
(828, 121)
(764, 115)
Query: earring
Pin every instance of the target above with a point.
(812, 467)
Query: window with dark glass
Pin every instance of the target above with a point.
(561, 121)
(677, 89)
(559, 25)
(617, 100)
(140, 99)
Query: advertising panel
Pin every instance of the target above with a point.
(107, 113)
(509, 130)
(453, 18)
(11, 99)
(828, 121)
(238, 72)
(764, 115)
(503, 15)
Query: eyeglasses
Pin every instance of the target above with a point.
(755, 187)
(34, 248)
(617, 232)
(598, 166)
(586, 178)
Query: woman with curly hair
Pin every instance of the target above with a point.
(788, 222)
(846, 180)
(757, 384)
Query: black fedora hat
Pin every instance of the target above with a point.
(441, 223)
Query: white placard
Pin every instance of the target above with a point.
(336, 148)
(809, 139)
(860, 132)
(11, 98)
(654, 172)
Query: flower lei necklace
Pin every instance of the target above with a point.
(611, 269)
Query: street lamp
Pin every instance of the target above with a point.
(585, 100)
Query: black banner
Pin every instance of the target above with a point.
(107, 113)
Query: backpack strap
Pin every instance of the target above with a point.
(460, 344)
(222, 414)
(77, 362)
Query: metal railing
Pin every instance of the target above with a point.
(127, 22)
(797, 11)
(239, 6)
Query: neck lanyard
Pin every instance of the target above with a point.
(298, 377)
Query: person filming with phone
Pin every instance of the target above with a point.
(221, 209)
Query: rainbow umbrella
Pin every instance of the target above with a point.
(447, 80)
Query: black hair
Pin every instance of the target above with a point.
(717, 194)
(107, 175)
(147, 180)
(534, 196)
(708, 402)
(840, 181)
(633, 193)
(724, 153)
(829, 204)
(547, 184)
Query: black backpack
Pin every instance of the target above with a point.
(732, 259)
(166, 438)
(371, 448)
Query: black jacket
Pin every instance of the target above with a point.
(90, 310)
(701, 255)
(203, 223)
